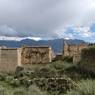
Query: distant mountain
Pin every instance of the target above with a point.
(56, 44)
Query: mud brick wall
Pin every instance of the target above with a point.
(36, 55)
(88, 59)
(9, 60)
(73, 50)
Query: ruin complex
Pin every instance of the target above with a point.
(36, 55)
(74, 51)
(10, 58)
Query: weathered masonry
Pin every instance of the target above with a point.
(36, 55)
(9, 59)
(74, 51)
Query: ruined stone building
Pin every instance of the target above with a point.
(69, 49)
(74, 51)
(36, 55)
(58, 57)
(10, 58)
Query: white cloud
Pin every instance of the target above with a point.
(18, 38)
(7, 31)
(73, 32)
(84, 31)
(42, 18)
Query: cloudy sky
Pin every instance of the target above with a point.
(48, 19)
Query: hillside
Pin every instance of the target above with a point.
(56, 44)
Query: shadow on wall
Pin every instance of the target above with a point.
(88, 59)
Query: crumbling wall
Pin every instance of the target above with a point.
(88, 59)
(74, 51)
(77, 54)
(58, 56)
(9, 60)
(69, 50)
(88, 55)
(32, 55)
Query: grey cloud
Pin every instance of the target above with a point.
(7, 31)
(41, 18)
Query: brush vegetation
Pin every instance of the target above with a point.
(56, 78)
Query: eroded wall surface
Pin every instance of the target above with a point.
(73, 50)
(9, 60)
(36, 55)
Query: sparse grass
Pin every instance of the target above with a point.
(9, 89)
(68, 59)
(59, 65)
(85, 87)
(6, 89)
(53, 65)
(45, 79)
(34, 90)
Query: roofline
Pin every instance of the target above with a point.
(9, 48)
(77, 44)
(37, 46)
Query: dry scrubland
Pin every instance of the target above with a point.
(56, 78)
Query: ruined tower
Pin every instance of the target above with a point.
(74, 51)
(66, 49)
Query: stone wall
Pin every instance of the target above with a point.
(88, 55)
(58, 57)
(36, 55)
(73, 50)
(69, 49)
(88, 59)
(77, 53)
(9, 59)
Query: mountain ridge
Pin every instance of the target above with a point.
(56, 44)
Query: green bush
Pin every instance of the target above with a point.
(2, 90)
(26, 82)
(19, 72)
(85, 87)
(77, 72)
(60, 65)
(20, 92)
(15, 83)
(68, 59)
(3, 76)
(56, 85)
(57, 65)
(34, 90)
(9, 79)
